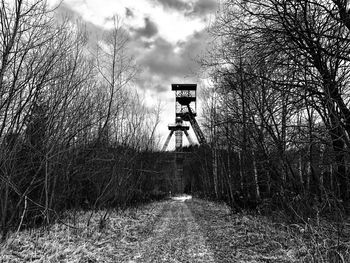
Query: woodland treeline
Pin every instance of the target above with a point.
(73, 131)
(278, 117)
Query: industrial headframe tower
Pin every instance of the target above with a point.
(185, 110)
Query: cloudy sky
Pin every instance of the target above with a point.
(166, 38)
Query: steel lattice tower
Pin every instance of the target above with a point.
(178, 128)
(185, 110)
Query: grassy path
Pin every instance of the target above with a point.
(176, 238)
(200, 231)
(174, 230)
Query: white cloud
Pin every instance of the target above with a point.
(173, 26)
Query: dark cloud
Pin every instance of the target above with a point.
(159, 88)
(174, 4)
(163, 61)
(129, 12)
(196, 43)
(203, 7)
(190, 8)
(149, 30)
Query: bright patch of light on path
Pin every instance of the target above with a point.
(182, 198)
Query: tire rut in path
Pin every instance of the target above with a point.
(176, 237)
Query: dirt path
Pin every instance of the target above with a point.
(168, 231)
(202, 231)
(176, 238)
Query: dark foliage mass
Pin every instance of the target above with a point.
(277, 116)
(73, 133)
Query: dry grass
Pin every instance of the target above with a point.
(242, 237)
(111, 242)
(245, 237)
(322, 241)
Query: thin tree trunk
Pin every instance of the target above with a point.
(241, 172)
(215, 170)
(300, 168)
(322, 170)
(46, 213)
(256, 182)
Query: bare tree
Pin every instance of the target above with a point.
(296, 37)
(115, 66)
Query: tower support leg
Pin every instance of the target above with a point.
(195, 126)
(167, 141)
